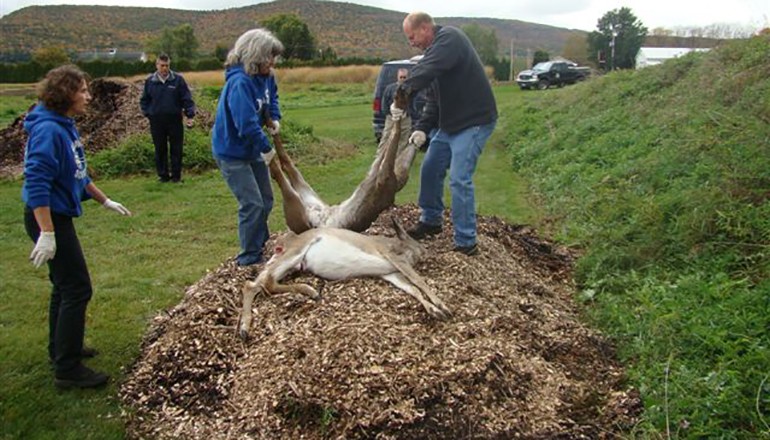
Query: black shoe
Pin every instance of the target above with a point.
(81, 377)
(164, 179)
(467, 250)
(423, 230)
(176, 180)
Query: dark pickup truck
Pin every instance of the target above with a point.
(551, 73)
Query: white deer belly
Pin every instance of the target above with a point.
(336, 259)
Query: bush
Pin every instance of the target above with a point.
(136, 154)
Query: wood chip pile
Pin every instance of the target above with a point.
(112, 115)
(367, 361)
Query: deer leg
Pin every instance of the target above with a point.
(273, 286)
(375, 193)
(416, 280)
(268, 280)
(387, 166)
(400, 281)
(249, 291)
(294, 211)
(301, 187)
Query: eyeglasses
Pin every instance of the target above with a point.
(401, 77)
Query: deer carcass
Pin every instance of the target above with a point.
(304, 209)
(338, 254)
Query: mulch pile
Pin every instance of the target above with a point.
(112, 115)
(367, 361)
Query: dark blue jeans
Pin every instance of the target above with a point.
(70, 294)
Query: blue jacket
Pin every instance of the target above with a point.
(244, 104)
(168, 97)
(55, 172)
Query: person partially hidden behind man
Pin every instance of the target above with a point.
(165, 97)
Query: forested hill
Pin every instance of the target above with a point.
(349, 29)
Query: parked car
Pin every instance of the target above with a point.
(388, 75)
(551, 73)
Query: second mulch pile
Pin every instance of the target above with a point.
(367, 362)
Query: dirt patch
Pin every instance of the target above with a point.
(112, 115)
(368, 362)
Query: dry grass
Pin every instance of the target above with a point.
(18, 89)
(299, 75)
(329, 75)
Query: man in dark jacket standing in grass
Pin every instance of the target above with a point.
(165, 97)
(462, 108)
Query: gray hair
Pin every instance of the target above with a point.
(254, 47)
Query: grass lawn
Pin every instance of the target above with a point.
(142, 265)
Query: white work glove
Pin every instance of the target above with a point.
(417, 138)
(44, 250)
(189, 122)
(275, 129)
(268, 157)
(395, 112)
(117, 207)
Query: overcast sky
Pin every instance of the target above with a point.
(573, 14)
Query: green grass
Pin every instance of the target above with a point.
(142, 265)
(13, 105)
(659, 176)
(662, 177)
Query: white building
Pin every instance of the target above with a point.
(650, 56)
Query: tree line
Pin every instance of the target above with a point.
(613, 45)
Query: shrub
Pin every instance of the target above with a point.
(136, 154)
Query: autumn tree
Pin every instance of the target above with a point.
(220, 52)
(576, 49)
(51, 56)
(297, 40)
(179, 43)
(618, 37)
(484, 41)
(540, 56)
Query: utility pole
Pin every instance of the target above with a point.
(529, 57)
(612, 49)
(614, 29)
(511, 73)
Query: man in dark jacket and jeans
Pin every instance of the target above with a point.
(165, 97)
(461, 107)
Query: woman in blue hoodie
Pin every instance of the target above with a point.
(55, 183)
(249, 101)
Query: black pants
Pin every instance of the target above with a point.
(70, 294)
(167, 135)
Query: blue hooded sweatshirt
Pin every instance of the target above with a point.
(241, 112)
(55, 172)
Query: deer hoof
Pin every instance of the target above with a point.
(439, 313)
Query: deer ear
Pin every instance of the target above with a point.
(399, 229)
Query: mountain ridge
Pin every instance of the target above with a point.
(350, 29)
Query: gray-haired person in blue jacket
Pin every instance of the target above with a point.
(164, 99)
(248, 102)
(55, 182)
